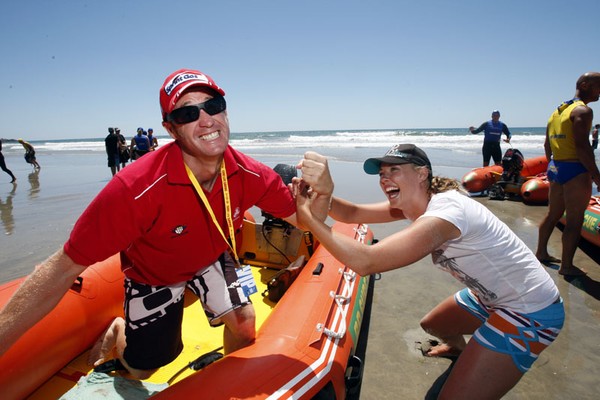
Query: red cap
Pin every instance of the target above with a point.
(180, 80)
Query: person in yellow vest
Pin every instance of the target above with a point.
(29, 154)
(571, 171)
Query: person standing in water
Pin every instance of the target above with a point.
(4, 167)
(29, 154)
(493, 130)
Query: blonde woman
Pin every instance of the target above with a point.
(510, 304)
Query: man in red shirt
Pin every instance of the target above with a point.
(179, 210)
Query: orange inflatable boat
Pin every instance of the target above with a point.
(307, 344)
(590, 230)
(481, 179)
(536, 190)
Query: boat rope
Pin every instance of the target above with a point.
(349, 276)
(340, 300)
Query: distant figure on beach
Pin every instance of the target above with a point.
(124, 152)
(511, 304)
(29, 153)
(152, 139)
(3, 165)
(111, 143)
(171, 240)
(595, 136)
(140, 144)
(493, 130)
(571, 170)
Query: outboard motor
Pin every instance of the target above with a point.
(276, 231)
(512, 165)
(286, 172)
(510, 182)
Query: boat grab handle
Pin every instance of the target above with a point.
(348, 275)
(339, 299)
(330, 333)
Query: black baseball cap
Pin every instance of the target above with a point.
(398, 154)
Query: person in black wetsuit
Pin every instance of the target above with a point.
(493, 129)
(3, 165)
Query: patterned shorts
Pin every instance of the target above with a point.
(153, 314)
(522, 336)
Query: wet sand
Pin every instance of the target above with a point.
(39, 212)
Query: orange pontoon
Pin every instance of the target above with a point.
(481, 179)
(306, 344)
(536, 189)
(590, 230)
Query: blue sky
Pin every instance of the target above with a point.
(70, 69)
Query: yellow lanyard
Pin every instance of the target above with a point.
(227, 199)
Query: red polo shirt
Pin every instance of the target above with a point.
(151, 213)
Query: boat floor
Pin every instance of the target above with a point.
(197, 335)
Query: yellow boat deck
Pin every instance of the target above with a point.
(198, 338)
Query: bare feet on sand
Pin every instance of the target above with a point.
(433, 348)
(548, 259)
(106, 343)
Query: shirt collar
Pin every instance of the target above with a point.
(176, 169)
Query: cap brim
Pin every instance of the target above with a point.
(373, 165)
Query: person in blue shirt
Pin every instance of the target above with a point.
(140, 144)
(493, 129)
(152, 139)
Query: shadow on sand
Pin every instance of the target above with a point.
(436, 388)
(586, 283)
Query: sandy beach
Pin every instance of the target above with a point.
(39, 211)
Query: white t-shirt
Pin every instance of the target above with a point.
(489, 258)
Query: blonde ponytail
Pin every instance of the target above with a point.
(441, 184)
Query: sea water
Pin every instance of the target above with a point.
(445, 146)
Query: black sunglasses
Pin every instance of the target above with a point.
(187, 114)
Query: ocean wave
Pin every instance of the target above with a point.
(525, 139)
